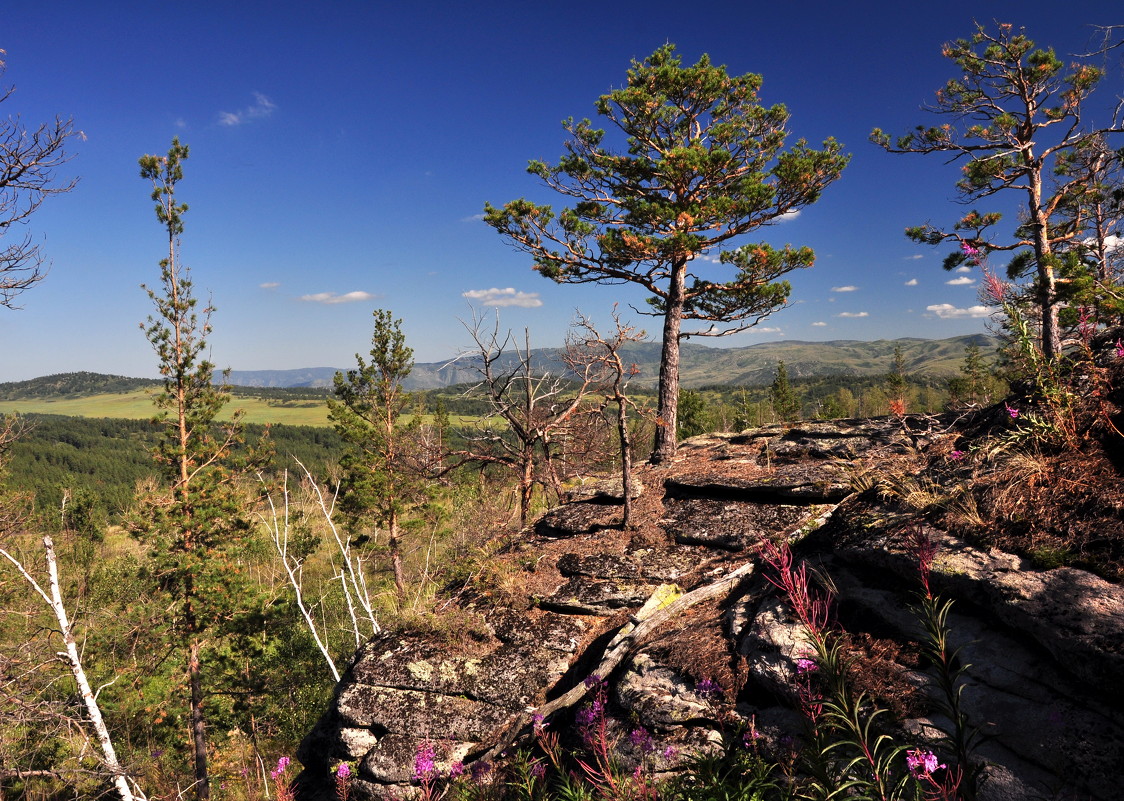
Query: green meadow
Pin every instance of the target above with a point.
(138, 405)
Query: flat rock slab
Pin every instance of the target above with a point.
(584, 596)
(804, 483)
(727, 524)
(576, 519)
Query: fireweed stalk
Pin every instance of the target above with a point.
(426, 774)
(281, 786)
(343, 781)
(1059, 424)
(602, 771)
(847, 753)
(960, 779)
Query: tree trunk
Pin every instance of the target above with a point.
(667, 410)
(396, 559)
(198, 725)
(93, 711)
(1044, 259)
(626, 461)
(526, 482)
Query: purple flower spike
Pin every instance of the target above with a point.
(642, 740)
(922, 763)
(804, 665)
(1011, 410)
(708, 689)
(425, 769)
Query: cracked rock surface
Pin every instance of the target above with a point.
(1045, 684)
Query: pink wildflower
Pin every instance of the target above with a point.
(1119, 349)
(956, 456)
(343, 781)
(425, 769)
(922, 763)
(1011, 410)
(925, 550)
(282, 764)
(994, 289)
(804, 665)
(642, 740)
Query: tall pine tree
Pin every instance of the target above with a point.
(195, 526)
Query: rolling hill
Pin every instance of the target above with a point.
(701, 365)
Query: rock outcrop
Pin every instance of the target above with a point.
(681, 605)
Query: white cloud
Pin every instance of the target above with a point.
(853, 314)
(911, 282)
(946, 311)
(763, 330)
(914, 257)
(963, 268)
(269, 285)
(961, 281)
(844, 289)
(819, 324)
(503, 297)
(789, 215)
(473, 218)
(262, 107)
(332, 297)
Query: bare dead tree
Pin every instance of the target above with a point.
(352, 575)
(534, 406)
(52, 597)
(598, 358)
(29, 158)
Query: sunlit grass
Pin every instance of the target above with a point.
(138, 405)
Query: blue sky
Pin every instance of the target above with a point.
(342, 153)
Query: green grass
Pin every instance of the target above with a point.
(137, 405)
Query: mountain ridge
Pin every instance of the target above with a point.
(701, 365)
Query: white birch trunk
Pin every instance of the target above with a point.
(93, 712)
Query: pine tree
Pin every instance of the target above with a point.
(196, 527)
(896, 383)
(785, 403)
(704, 163)
(384, 471)
(1027, 128)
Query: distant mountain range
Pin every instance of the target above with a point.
(701, 365)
